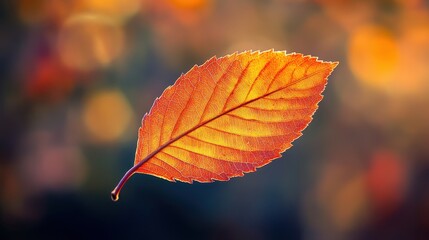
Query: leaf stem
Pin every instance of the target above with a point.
(115, 193)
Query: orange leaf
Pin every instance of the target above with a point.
(229, 116)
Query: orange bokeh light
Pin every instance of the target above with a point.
(87, 42)
(386, 179)
(414, 71)
(113, 8)
(373, 56)
(106, 116)
(189, 4)
(49, 80)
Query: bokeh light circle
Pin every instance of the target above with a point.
(89, 41)
(106, 116)
(373, 56)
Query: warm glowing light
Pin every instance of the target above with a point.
(386, 181)
(189, 4)
(112, 8)
(414, 72)
(106, 115)
(49, 80)
(40, 11)
(373, 56)
(88, 42)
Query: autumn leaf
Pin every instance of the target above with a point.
(229, 116)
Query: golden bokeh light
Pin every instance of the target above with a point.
(373, 56)
(189, 4)
(36, 11)
(106, 116)
(88, 42)
(414, 72)
(113, 8)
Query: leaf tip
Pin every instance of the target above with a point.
(332, 66)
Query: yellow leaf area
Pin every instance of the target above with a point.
(229, 116)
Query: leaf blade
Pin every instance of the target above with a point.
(230, 99)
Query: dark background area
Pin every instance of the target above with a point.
(77, 77)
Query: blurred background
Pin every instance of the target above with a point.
(77, 77)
